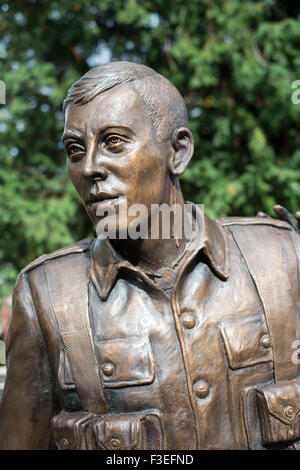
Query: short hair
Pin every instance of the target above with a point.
(163, 102)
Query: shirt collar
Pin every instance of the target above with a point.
(211, 238)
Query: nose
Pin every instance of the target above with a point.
(93, 169)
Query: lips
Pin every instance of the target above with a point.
(93, 199)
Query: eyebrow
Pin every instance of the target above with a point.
(100, 130)
(70, 135)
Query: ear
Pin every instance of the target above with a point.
(182, 151)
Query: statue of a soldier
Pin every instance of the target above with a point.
(152, 342)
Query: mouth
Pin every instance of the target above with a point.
(102, 198)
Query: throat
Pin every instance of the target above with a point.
(153, 256)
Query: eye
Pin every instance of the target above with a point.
(75, 149)
(112, 140)
(114, 143)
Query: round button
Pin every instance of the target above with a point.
(289, 411)
(114, 443)
(64, 443)
(266, 341)
(201, 389)
(188, 320)
(108, 369)
(166, 279)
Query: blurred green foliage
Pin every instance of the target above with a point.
(234, 62)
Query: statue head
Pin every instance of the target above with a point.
(126, 134)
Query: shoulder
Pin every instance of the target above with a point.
(285, 221)
(263, 238)
(82, 246)
(252, 222)
(30, 283)
(254, 232)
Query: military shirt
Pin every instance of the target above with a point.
(194, 353)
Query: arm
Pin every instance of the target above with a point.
(27, 404)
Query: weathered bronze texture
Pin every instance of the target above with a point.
(163, 343)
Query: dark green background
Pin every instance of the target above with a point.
(234, 62)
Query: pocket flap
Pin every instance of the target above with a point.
(72, 430)
(113, 432)
(246, 342)
(283, 400)
(126, 361)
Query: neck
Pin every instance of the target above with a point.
(153, 254)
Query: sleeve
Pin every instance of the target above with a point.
(27, 404)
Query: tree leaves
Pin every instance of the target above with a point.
(234, 62)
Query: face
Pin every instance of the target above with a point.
(113, 154)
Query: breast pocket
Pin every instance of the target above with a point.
(249, 356)
(126, 362)
(246, 342)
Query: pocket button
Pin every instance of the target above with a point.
(266, 341)
(64, 443)
(108, 369)
(114, 443)
(289, 411)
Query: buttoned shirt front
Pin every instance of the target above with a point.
(188, 375)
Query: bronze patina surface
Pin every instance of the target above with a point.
(163, 343)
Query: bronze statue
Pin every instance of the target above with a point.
(152, 343)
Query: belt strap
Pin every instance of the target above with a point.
(267, 267)
(67, 280)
